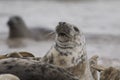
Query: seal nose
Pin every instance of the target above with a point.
(62, 23)
(9, 23)
(63, 27)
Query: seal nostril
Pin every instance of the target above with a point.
(62, 23)
(9, 23)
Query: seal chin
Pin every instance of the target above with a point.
(67, 44)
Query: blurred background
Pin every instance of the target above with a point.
(98, 19)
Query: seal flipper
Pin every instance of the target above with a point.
(93, 61)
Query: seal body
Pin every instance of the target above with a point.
(33, 70)
(69, 51)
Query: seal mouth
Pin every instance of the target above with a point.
(63, 37)
(62, 34)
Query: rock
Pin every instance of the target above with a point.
(8, 77)
(17, 55)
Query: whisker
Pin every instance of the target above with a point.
(50, 35)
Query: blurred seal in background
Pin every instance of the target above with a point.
(18, 31)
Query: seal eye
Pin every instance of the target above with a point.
(76, 29)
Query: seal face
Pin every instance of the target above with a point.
(67, 35)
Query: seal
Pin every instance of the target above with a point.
(110, 73)
(69, 51)
(34, 70)
(18, 29)
(8, 77)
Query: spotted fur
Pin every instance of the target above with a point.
(33, 70)
(93, 61)
(110, 73)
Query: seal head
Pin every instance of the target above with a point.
(66, 34)
(17, 28)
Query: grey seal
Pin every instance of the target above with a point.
(33, 70)
(69, 51)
